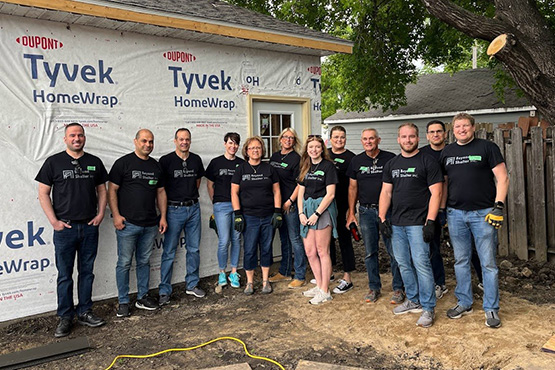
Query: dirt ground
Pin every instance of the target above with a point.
(347, 331)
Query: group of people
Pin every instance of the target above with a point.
(310, 196)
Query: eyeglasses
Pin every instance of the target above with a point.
(436, 132)
(317, 136)
(255, 148)
(288, 137)
(77, 165)
(374, 164)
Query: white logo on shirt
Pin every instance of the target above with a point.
(68, 174)
(136, 175)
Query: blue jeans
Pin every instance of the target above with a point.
(138, 240)
(291, 240)
(257, 235)
(186, 219)
(413, 256)
(227, 235)
(369, 228)
(81, 239)
(463, 225)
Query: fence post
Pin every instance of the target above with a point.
(550, 186)
(503, 232)
(536, 189)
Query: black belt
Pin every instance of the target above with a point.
(186, 203)
(369, 205)
(69, 222)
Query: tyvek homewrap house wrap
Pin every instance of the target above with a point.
(117, 67)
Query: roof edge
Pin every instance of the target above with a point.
(122, 13)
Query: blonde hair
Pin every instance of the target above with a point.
(297, 144)
(305, 158)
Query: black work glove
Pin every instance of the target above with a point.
(441, 217)
(385, 229)
(277, 218)
(239, 222)
(495, 216)
(212, 224)
(428, 231)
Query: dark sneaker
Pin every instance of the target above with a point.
(163, 300)
(426, 319)
(123, 310)
(458, 311)
(440, 291)
(63, 329)
(90, 319)
(398, 297)
(147, 303)
(407, 307)
(372, 296)
(343, 287)
(492, 319)
(196, 291)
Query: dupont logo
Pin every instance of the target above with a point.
(315, 70)
(39, 42)
(179, 56)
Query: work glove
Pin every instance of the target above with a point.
(239, 222)
(212, 224)
(441, 217)
(428, 231)
(277, 218)
(385, 229)
(495, 216)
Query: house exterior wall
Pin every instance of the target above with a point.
(115, 83)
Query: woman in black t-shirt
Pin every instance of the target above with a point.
(256, 201)
(219, 174)
(317, 213)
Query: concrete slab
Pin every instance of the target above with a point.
(243, 366)
(310, 365)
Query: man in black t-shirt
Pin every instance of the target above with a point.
(365, 172)
(476, 182)
(412, 186)
(182, 172)
(76, 181)
(136, 185)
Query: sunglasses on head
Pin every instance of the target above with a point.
(317, 136)
(77, 165)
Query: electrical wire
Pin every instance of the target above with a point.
(195, 347)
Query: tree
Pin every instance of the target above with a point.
(389, 35)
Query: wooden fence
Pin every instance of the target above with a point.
(529, 151)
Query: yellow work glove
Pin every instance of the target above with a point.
(495, 216)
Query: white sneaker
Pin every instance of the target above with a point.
(311, 292)
(321, 297)
(332, 278)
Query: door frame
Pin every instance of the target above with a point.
(305, 109)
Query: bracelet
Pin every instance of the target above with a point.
(290, 200)
(317, 213)
(301, 213)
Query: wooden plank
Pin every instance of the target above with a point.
(537, 191)
(550, 188)
(518, 242)
(47, 353)
(482, 133)
(524, 124)
(503, 232)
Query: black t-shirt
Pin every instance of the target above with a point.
(256, 192)
(287, 168)
(180, 177)
(471, 182)
(341, 162)
(411, 178)
(369, 175)
(318, 178)
(220, 170)
(430, 151)
(73, 191)
(138, 182)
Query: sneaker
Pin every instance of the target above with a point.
(440, 291)
(481, 286)
(311, 292)
(296, 283)
(146, 303)
(372, 296)
(196, 291)
(277, 277)
(90, 319)
(332, 278)
(63, 329)
(408, 306)
(398, 297)
(164, 299)
(343, 287)
(222, 279)
(123, 310)
(458, 311)
(492, 319)
(321, 297)
(234, 280)
(266, 287)
(426, 319)
(249, 289)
